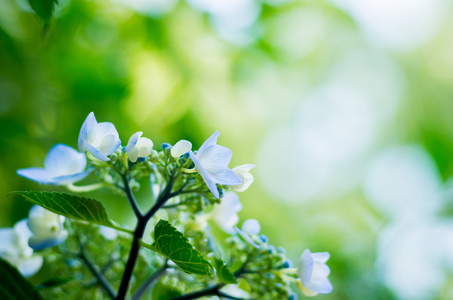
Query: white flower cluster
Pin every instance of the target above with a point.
(42, 229)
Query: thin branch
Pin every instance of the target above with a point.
(131, 197)
(99, 276)
(212, 290)
(144, 287)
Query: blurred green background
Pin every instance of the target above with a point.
(344, 106)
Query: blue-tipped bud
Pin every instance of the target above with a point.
(281, 250)
(165, 146)
(264, 238)
(292, 297)
(186, 155)
(287, 264)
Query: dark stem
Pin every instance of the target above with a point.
(223, 295)
(212, 290)
(142, 289)
(139, 230)
(133, 255)
(130, 197)
(99, 276)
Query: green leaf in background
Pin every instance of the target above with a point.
(223, 273)
(43, 8)
(13, 286)
(175, 246)
(71, 206)
(54, 282)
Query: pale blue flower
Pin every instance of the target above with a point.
(138, 146)
(63, 165)
(211, 162)
(313, 273)
(180, 148)
(251, 226)
(243, 172)
(225, 214)
(46, 228)
(100, 139)
(14, 249)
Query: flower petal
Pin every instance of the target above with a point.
(30, 266)
(95, 152)
(225, 213)
(36, 174)
(106, 138)
(133, 141)
(180, 148)
(306, 267)
(215, 155)
(251, 226)
(322, 286)
(224, 176)
(67, 179)
(7, 236)
(205, 175)
(321, 257)
(40, 243)
(212, 140)
(64, 160)
(89, 122)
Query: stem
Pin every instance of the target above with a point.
(133, 255)
(212, 290)
(140, 229)
(85, 188)
(130, 196)
(142, 289)
(99, 276)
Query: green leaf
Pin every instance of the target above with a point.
(175, 246)
(43, 8)
(13, 286)
(223, 273)
(73, 207)
(54, 282)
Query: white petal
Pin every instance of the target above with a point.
(244, 168)
(212, 140)
(89, 122)
(180, 148)
(133, 141)
(36, 174)
(320, 271)
(43, 223)
(205, 175)
(251, 226)
(321, 257)
(64, 160)
(246, 178)
(29, 266)
(144, 146)
(306, 267)
(224, 176)
(95, 152)
(215, 155)
(63, 180)
(106, 138)
(7, 236)
(108, 233)
(225, 213)
(40, 243)
(322, 286)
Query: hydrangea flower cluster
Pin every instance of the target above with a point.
(191, 191)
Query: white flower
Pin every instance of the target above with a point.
(63, 165)
(225, 213)
(14, 249)
(180, 148)
(108, 233)
(211, 162)
(46, 228)
(313, 273)
(138, 146)
(243, 172)
(251, 226)
(100, 139)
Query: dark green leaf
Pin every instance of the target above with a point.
(223, 273)
(43, 8)
(175, 246)
(73, 207)
(13, 286)
(54, 282)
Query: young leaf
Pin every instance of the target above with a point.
(73, 207)
(223, 273)
(13, 286)
(54, 282)
(43, 8)
(175, 246)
